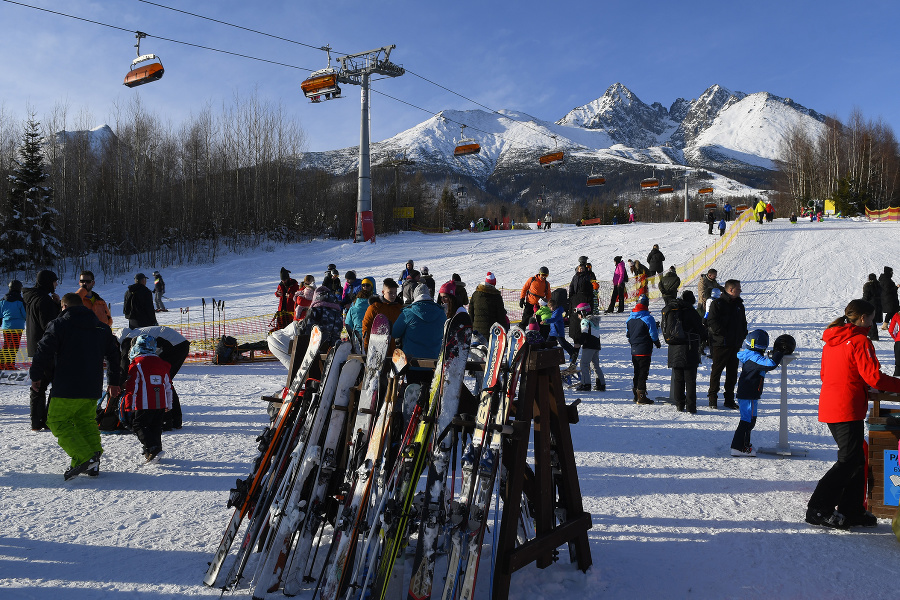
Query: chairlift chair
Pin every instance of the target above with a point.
(710, 206)
(666, 189)
(143, 73)
(323, 82)
(466, 147)
(707, 191)
(595, 179)
(552, 158)
(651, 183)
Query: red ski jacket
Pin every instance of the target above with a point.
(148, 384)
(849, 366)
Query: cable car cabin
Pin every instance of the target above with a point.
(705, 191)
(595, 180)
(139, 75)
(467, 147)
(548, 160)
(651, 183)
(666, 189)
(710, 206)
(461, 192)
(740, 208)
(321, 84)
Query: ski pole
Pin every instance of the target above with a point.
(222, 314)
(214, 323)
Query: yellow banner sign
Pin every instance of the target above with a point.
(404, 212)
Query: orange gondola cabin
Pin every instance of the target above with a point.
(595, 180)
(554, 158)
(666, 189)
(651, 183)
(321, 83)
(467, 147)
(139, 75)
(705, 191)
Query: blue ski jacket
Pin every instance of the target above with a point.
(420, 329)
(355, 315)
(642, 332)
(12, 312)
(753, 371)
(555, 321)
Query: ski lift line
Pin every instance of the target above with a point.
(159, 37)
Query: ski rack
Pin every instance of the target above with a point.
(541, 405)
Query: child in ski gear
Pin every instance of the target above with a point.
(303, 297)
(721, 227)
(71, 354)
(590, 349)
(754, 365)
(159, 290)
(148, 395)
(849, 367)
(643, 334)
(173, 348)
(556, 329)
(12, 312)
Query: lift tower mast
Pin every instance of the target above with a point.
(356, 70)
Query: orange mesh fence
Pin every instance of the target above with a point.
(203, 338)
(12, 354)
(885, 215)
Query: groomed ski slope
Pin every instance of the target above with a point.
(674, 516)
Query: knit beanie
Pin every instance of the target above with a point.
(490, 279)
(421, 293)
(448, 288)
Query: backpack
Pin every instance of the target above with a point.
(108, 420)
(672, 326)
(226, 351)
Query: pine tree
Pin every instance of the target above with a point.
(29, 233)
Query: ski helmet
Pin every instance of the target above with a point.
(583, 308)
(757, 340)
(784, 343)
(143, 344)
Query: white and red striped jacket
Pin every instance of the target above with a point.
(148, 383)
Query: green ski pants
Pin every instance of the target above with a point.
(73, 422)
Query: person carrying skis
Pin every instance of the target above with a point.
(754, 365)
(535, 288)
(285, 292)
(71, 354)
(12, 313)
(148, 395)
(849, 367)
(42, 306)
(620, 278)
(643, 334)
(159, 290)
(590, 348)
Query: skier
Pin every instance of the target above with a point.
(727, 323)
(420, 329)
(285, 292)
(631, 215)
(148, 395)
(12, 312)
(872, 293)
(620, 278)
(556, 329)
(643, 334)
(754, 364)
(138, 304)
(760, 211)
(387, 304)
(534, 289)
(581, 291)
(159, 290)
(173, 348)
(889, 301)
(710, 221)
(721, 227)
(655, 261)
(42, 305)
(590, 353)
(71, 354)
(849, 367)
(684, 358)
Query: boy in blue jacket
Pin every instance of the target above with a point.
(557, 329)
(754, 364)
(12, 313)
(643, 334)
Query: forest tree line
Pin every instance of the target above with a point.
(856, 164)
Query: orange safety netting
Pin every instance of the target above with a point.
(884, 215)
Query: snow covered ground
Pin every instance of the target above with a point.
(674, 515)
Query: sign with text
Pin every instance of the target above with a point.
(891, 468)
(404, 212)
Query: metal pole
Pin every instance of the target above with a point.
(364, 197)
(686, 219)
(784, 448)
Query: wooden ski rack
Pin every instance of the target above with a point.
(541, 406)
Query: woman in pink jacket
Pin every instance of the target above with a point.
(620, 278)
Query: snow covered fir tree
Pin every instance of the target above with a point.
(29, 237)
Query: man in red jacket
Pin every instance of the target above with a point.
(849, 367)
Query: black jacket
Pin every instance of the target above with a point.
(77, 342)
(40, 309)
(655, 261)
(727, 322)
(581, 289)
(669, 284)
(872, 293)
(889, 301)
(687, 356)
(486, 308)
(138, 306)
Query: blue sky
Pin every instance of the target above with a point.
(543, 58)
